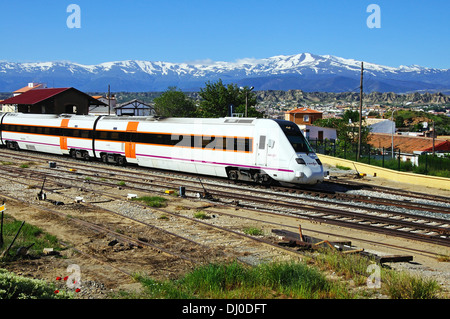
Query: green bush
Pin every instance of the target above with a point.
(17, 287)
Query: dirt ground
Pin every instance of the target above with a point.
(110, 270)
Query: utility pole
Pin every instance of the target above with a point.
(109, 100)
(246, 97)
(434, 137)
(360, 111)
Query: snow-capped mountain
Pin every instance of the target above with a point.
(303, 71)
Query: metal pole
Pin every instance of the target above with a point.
(246, 102)
(360, 111)
(12, 243)
(1, 232)
(109, 100)
(392, 133)
(434, 135)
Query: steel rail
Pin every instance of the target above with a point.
(378, 220)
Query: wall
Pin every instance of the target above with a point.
(403, 177)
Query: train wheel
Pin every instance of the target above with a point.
(121, 161)
(104, 158)
(86, 156)
(263, 179)
(233, 175)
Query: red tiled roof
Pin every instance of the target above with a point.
(27, 88)
(443, 146)
(303, 110)
(408, 144)
(34, 96)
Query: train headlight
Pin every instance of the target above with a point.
(300, 161)
(299, 174)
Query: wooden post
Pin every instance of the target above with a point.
(300, 231)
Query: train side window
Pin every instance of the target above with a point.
(103, 135)
(85, 134)
(262, 142)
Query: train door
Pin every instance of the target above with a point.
(63, 139)
(261, 158)
(130, 147)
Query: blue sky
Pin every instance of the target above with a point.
(412, 31)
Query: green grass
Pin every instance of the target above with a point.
(152, 201)
(28, 235)
(201, 215)
(395, 284)
(345, 168)
(254, 231)
(234, 280)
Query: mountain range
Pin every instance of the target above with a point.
(304, 71)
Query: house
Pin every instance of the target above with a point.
(52, 101)
(312, 132)
(302, 116)
(409, 146)
(135, 108)
(30, 86)
(107, 108)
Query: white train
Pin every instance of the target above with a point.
(260, 150)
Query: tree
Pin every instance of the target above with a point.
(218, 100)
(174, 103)
(347, 131)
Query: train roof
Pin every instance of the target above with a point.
(180, 120)
(165, 120)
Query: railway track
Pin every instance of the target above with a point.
(323, 207)
(239, 245)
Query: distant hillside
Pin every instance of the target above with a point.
(390, 98)
(301, 97)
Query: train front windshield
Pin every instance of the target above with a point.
(296, 138)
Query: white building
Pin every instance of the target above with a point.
(312, 132)
(135, 108)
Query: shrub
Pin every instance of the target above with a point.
(17, 287)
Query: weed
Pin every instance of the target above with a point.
(201, 215)
(152, 201)
(253, 231)
(345, 168)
